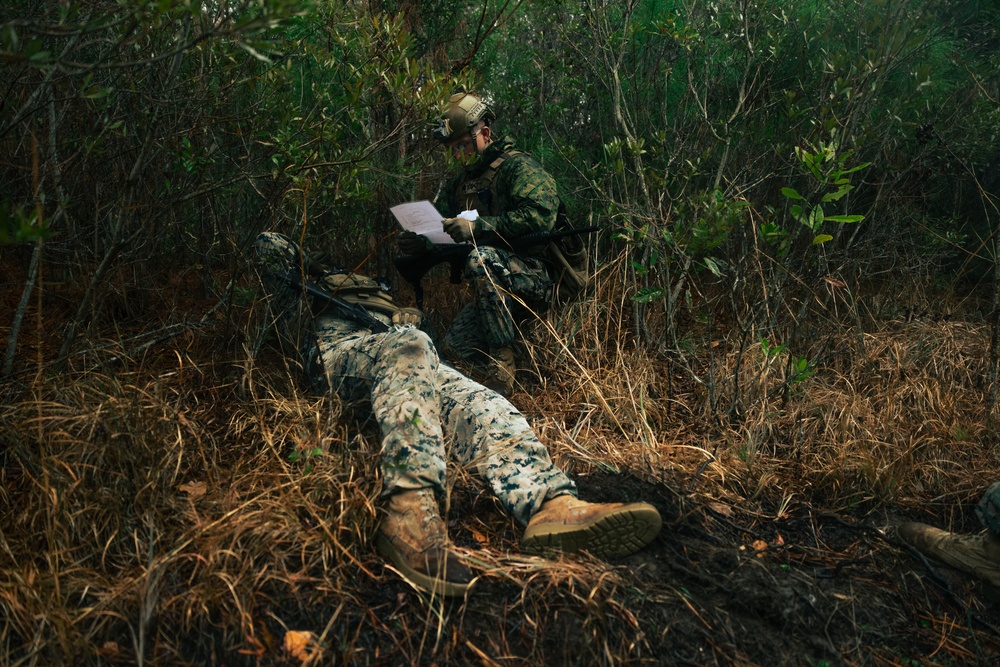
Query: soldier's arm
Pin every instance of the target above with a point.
(527, 201)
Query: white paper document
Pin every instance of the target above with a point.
(420, 217)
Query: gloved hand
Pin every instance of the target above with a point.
(317, 265)
(411, 243)
(459, 229)
(405, 316)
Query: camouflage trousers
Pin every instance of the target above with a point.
(428, 412)
(506, 287)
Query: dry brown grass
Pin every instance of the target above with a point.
(159, 518)
(180, 510)
(900, 422)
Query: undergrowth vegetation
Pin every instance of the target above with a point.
(790, 344)
(183, 509)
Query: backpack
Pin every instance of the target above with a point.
(359, 289)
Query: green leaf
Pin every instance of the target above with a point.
(791, 193)
(857, 168)
(772, 233)
(713, 266)
(822, 238)
(254, 52)
(845, 218)
(816, 218)
(8, 38)
(647, 294)
(810, 161)
(96, 92)
(834, 196)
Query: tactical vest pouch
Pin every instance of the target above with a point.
(478, 193)
(356, 288)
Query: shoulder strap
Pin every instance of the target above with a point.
(491, 172)
(478, 192)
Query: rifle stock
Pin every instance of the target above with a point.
(413, 268)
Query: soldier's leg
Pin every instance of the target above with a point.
(500, 282)
(978, 555)
(506, 288)
(464, 337)
(487, 433)
(400, 370)
(490, 436)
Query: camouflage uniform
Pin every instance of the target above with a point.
(522, 200)
(988, 509)
(426, 410)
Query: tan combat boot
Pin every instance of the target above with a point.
(414, 538)
(978, 555)
(606, 530)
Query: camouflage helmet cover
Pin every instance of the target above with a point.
(464, 112)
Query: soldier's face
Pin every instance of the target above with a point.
(467, 148)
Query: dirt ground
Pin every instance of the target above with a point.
(719, 586)
(722, 587)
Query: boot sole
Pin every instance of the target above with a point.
(422, 581)
(614, 534)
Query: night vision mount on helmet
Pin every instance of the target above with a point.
(464, 112)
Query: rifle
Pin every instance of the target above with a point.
(341, 307)
(413, 268)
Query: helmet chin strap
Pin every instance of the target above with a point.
(473, 136)
(475, 140)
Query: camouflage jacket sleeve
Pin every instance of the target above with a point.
(527, 201)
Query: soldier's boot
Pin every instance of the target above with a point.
(606, 530)
(501, 371)
(414, 538)
(978, 555)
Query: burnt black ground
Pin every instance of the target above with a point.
(719, 586)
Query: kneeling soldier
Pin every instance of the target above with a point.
(428, 411)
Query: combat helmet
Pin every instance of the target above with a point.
(464, 112)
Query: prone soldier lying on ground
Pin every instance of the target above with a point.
(428, 412)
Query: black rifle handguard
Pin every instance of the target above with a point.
(413, 268)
